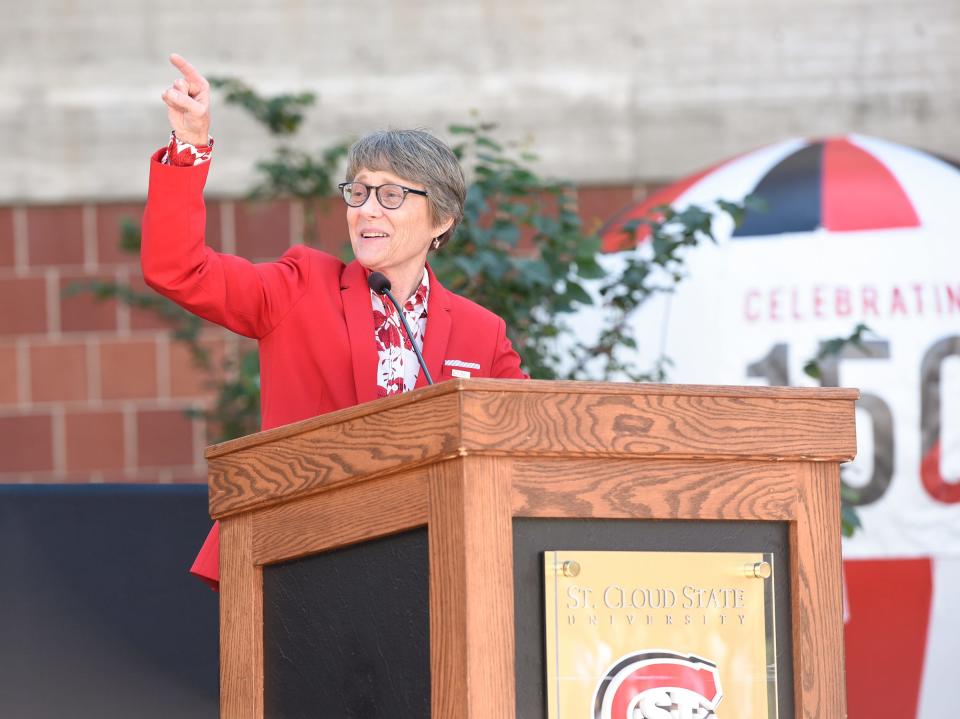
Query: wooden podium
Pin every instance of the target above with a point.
(469, 459)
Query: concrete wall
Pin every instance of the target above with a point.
(616, 91)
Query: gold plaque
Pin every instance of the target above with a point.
(659, 635)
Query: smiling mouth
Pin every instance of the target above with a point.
(373, 235)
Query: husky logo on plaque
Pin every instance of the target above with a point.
(659, 684)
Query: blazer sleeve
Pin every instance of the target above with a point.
(506, 361)
(250, 299)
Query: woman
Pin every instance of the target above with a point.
(326, 340)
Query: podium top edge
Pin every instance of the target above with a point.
(487, 385)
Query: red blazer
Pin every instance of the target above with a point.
(309, 311)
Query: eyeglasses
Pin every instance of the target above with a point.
(389, 196)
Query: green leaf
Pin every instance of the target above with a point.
(488, 143)
(849, 520)
(130, 236)
(576, 293)
(590, 270)
(281, 114)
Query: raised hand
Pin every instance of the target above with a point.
(188, 103)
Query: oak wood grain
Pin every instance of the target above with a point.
(241, 623)
(655, 489)
(340, 517)
(623, 425)
(471, 590)
(819, 686)
(324, 456)
(446, 536)
(529, 387)
(524, 419)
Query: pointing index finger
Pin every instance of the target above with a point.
(196, 80)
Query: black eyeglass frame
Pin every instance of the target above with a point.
(375, 189)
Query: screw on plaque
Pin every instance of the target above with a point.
(758, 570)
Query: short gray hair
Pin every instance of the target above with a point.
(419, 157)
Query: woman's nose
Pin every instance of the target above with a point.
(372, 206)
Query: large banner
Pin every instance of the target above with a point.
(855, 230)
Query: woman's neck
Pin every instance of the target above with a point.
(404, 284)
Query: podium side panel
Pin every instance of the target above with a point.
(241, 622)
(817, 594)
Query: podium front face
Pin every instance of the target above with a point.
(389, 559)
(683, 616)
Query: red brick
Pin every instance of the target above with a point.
(94, 441)
(164, 439)
(55, 235)
(8, 374)
(58, 372)
(143, 319)
(127, 477)
(78, 477)
(263, 229)
(57, 478)
(197, 476)
(29, 296)
(110, 219)
(80, 311)
(546, 204)
(128, 369)
(331, 233)
(110, 476)
(6, 237)
(26, 443)
(187, 379)
(598, 204)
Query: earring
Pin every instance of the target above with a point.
(436, 243)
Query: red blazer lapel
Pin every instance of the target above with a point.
(439, 323)
(359, 316)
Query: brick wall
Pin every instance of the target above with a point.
(96, 391)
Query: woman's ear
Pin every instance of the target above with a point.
(440, 229)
